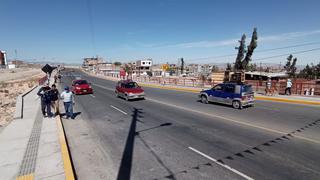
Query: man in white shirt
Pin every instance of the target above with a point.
(68, 101)
(288, 88)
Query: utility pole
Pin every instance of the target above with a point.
(280, 67)
(260, 70)
(16, 54)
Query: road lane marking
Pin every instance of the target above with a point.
(92, 95)
(224, 118)
(118, 109)
(221, 164)
(232, 120)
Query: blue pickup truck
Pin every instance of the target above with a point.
(237, 95)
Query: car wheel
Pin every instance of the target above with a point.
(204, 99)
(236, 105)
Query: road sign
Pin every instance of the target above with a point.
(47, 69)
(165, 67)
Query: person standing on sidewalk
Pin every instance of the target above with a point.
(45, 100)
(54, 93)
(68, 101)
(288, 87)
(268, 87)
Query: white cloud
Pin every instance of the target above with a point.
(234, 42)
(288, 36)
(205, 44)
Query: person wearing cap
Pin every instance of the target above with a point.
(68, 101)
(45, 100)
(288, 87)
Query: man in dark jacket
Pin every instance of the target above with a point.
(54, 93)
(45, 100)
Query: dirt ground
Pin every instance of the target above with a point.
(13, 83)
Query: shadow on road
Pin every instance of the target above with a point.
(74, 114)
(126, 161)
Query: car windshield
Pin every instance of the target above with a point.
(247, 89)
(131, 85)
(81, 82)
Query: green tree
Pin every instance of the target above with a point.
(245, 56)
(229, 67)
(215, 68)
(128, 68)
(253, 44)
(182, 65)
(317, 71)
(252, 67)
(241, 51)
(290, 66)
(117, 63)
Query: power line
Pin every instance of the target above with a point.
(285, 47)
(281, 55)
(258, 51)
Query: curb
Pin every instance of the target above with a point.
(18, 114)
(67, 164)
(294, 101)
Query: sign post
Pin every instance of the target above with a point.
(48, 70)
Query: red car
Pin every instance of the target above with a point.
(128, 89)
(81, 86)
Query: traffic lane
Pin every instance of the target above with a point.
(279, 116)
(114, 131)
(272, 115)
(221, 134)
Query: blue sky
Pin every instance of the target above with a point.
(68, 30)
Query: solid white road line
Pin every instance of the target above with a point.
(223, 165)
(118, 109)
(92, 95)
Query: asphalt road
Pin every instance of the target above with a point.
(171, 135)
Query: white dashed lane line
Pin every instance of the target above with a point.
(221, 164)
(118, 109)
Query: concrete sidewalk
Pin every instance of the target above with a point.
(34, 147)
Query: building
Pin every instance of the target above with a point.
(143, 67)
(206, 69)
(256, 75)
(193, 69)
(17, 63)
(91, 63)
(157, 70)
(108, 69)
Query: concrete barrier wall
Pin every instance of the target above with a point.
(18, 114)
